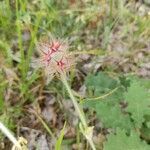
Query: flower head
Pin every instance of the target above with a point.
(54, 57)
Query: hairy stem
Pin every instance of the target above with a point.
(75, 103)
(78, 109)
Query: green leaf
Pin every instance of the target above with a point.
(112, 97)
(100, 83)
(145, 133)
(60, 139)
(104, 87)
(112, 117)
(144, 82)
(121, 141)
(124, 81)
(107, 108)
(138, 102)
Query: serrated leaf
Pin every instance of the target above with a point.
(112, 117)
(138, 102)
(100, 83)
(112, 98)
(107, 109)
(121, 141)
(145, 82)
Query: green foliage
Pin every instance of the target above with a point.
(60, 139)
(108, 109)
(121, 141)
(112, 117)
(138, 100)
(124, 109)
(124, 81)
(7, 113)
(7, 120)
(145, 133)
(100, 83)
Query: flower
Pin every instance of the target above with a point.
(54, 57)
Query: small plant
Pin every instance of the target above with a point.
(125, 111)
(55, 59)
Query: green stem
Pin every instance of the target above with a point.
(75, 103)
(78, 109)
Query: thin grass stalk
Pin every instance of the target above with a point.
(20, 43)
